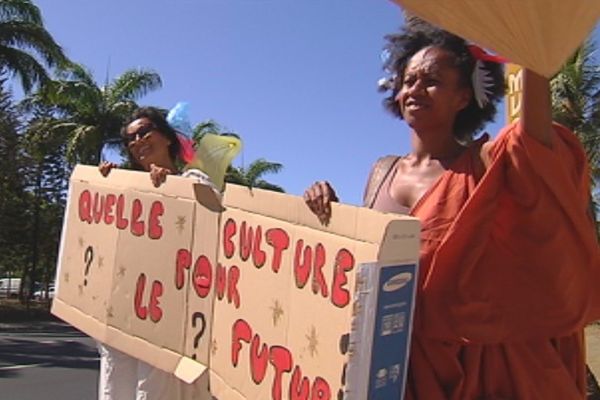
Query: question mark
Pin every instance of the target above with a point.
(88, 257)
(196, 316)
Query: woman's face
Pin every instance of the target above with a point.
(146, 144)
(432, 94)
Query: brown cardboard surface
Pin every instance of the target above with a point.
(127, 296)
(258, 291)
(290, 314)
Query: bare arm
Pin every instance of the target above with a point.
(536, 111)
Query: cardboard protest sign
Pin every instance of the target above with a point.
(258, 291)
(282, 334)
(116, 278)
(537, 34)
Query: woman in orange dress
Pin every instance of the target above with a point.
(509, 264)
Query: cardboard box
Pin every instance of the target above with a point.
(258, 293)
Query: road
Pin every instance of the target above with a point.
(46, 360)
(52, 361)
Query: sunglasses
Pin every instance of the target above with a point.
(139, 133)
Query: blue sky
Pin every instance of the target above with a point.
(296, 79)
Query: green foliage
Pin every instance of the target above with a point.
(252, 176)
(26, 47)
(14, 211)
(576, 104)
(85, 115)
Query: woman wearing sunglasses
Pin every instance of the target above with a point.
(152, 146)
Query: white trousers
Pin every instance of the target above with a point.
(123, 377)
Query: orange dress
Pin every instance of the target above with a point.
(509, 275)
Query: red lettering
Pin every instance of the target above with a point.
(281, 359)
(155, 230)
(140, 310)
(259, 360)
(232, 292)
(259, 257)
(85, 206)
(299, 389)
(109, 218)
(280, 241)
(202, 276)
(302, 263)
(182, 262)
(98, 207)
(221, 281)
(155, 310)
(137, 226)
(320, 390)
(344, 262)
(318, 277)
(241, 332)
(229, 230)
(121, 221)
(245, 241)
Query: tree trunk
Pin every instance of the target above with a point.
(36, 234)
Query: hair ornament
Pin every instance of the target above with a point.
(210, 153)
(386, 83)
(481, 79)
(178, 118)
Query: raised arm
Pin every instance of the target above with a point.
(536, 111)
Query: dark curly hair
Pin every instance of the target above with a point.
(416, 35)
(158, 118)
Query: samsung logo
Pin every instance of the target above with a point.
(397, 282)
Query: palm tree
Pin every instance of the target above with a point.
(252, 176)
(88, 116)
(576, 104)
(26, 47)
(576, 101)
(204, 127)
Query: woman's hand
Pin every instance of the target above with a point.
(318, 198)
(158, 175)
(105, 167)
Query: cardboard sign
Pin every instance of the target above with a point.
(537, 34)
(117, 275)
(257, 292)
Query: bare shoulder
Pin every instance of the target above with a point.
(485, 153)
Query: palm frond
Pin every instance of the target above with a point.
(576, 102)
(204, 127)
(25, 66)
(34, 37)
(260, 167)
(76, 72)
(123, 108)
(132, 85)
(23, 10)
